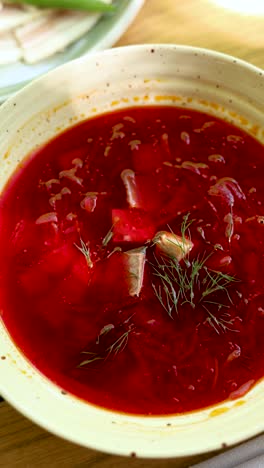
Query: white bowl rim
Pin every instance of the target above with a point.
(245, 432)
(144, 47)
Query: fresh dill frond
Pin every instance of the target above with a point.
(170, 300)
(108, 237)
(186, 225)
(93, 357)
(191, 282)
(112, 350)
(217, 281)
(85, 250)
(119, 345)
(220, 322)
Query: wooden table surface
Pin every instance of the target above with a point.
(194, 22)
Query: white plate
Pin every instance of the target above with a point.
(103, 35)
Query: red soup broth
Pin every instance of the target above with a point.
(132, 260)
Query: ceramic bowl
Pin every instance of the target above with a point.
(118, 78)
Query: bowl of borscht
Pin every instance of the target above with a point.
(132, 251)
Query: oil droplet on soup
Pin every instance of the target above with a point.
(131, 260)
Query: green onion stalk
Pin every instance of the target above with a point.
(88, 5)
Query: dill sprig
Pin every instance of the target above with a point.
(221, 322)
(192, 282)
(85, 250)
(112, 350)
(108, 237)
(168, 303)
(186, 225)
(217, 281)
(119, 345)
(93, 357)
(179, 280)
